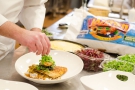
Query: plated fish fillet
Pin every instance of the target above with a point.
(55, 73)
(58, 71)
(46, 69)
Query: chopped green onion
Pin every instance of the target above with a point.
(118, 65)
(128, 58)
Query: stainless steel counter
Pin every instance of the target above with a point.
(8, 72)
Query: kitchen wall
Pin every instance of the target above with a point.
(62, 5)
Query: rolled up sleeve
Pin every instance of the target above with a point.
(2, 19)
(33, 14)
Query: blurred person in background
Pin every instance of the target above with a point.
(31, 14)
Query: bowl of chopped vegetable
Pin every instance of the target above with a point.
(109, 80)
(122, 63)
(127, 58)
(116, 64)
(56, 67)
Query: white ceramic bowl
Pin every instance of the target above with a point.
(72, 62)
(15, 85)
(108, 81)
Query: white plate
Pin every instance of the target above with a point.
(15, 85)
(108, 81)
(72, 62)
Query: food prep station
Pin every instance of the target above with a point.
(8, 71)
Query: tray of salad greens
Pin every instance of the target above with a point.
(122, 63)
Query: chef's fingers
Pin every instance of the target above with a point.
(48, 45)
(32, 48)
(45, 46)
(39, 45)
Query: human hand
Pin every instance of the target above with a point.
(35, 41)
(36, 29)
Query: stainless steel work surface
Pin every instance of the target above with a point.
(8, 72)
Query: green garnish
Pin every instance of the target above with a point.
(122, 77)
(46, 59)
(118, 65)
(46, 32)
(128, 58)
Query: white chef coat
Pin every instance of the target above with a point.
(31, 14)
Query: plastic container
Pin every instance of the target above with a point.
(92, 58)
(127, 58)
(117, 64)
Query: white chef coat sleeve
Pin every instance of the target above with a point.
(2, 19)
(33, 14)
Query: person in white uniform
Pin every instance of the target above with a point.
(31, 14)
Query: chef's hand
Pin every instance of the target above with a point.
(36, 41)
